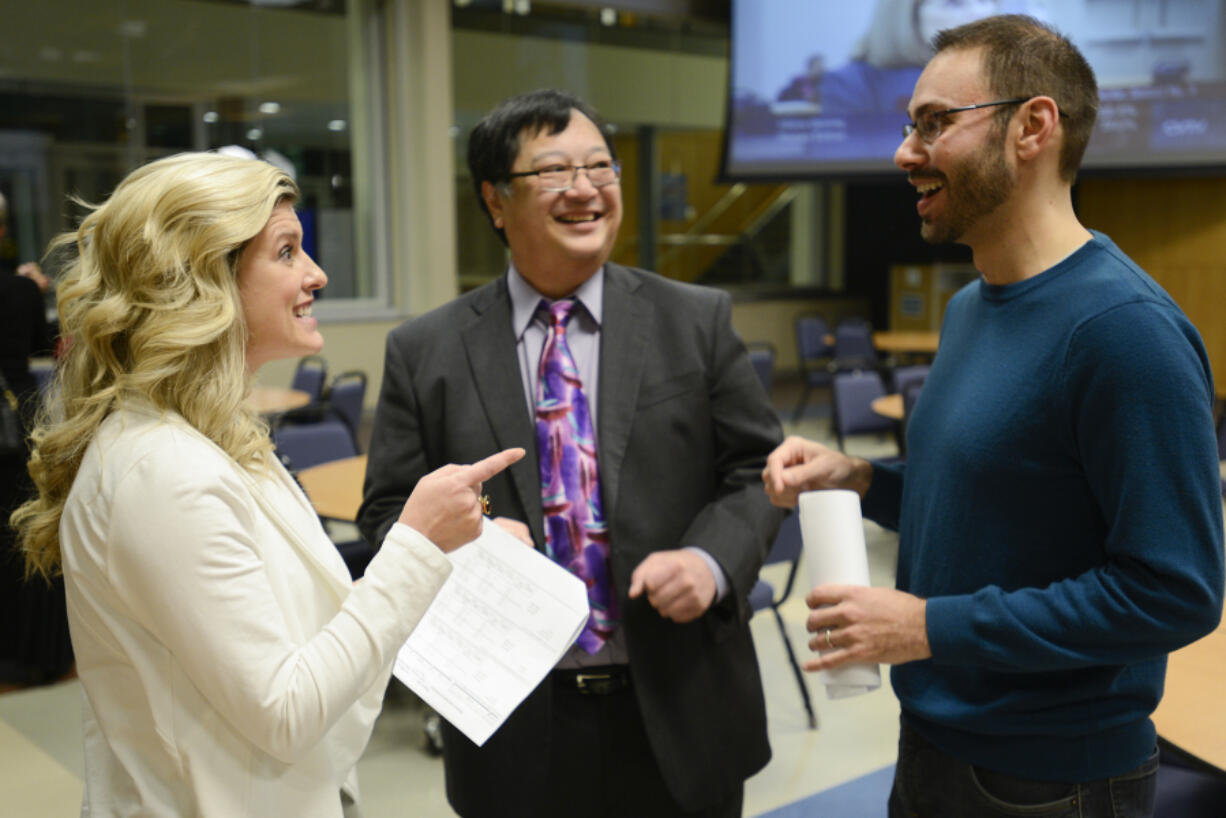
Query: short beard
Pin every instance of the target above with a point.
(981, 184)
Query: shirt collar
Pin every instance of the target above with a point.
(525, 299)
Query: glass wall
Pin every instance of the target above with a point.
(90, 89)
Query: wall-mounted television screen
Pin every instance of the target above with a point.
(819, 88)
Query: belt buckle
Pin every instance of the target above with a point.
(589, 682)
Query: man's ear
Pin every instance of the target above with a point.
(1040, 117)
(489, 195)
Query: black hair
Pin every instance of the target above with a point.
(495, 141)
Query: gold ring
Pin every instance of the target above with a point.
(829, 644)
(486, 505)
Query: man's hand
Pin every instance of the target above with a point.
(445, 506)
(515, 528)
(678, 584)
(865, 625)
(800, 465)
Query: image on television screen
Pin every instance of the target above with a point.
(820, 88)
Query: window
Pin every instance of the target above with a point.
(89, 91)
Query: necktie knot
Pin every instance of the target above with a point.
(560, 311)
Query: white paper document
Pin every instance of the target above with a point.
(501, 621)
(833, 534)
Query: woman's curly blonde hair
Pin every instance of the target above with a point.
(150, 305)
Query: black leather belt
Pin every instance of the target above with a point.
(594, 681)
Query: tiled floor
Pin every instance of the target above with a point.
(40, 731)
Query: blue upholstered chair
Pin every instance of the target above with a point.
(853, 395)
(762, 355)
(902, 376)
(908, 381)
(813, 356)
(345, 397)
(302, 445)
(853, 346)
(1187, 787)
(310, 376)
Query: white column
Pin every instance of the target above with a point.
(420, 166)
(808, 234)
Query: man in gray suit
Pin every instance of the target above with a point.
(647, 431)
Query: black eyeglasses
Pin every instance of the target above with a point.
(556, 178)
(931, 123)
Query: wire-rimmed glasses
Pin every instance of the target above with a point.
(557, 178)
(930, 123)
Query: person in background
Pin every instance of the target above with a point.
(1059, 511)
(648, 431)
(229, 665)
(805, 87)
(888, 59)
(34, 643)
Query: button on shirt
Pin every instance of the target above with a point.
(583, 338)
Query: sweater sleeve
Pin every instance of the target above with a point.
(1137, 393)
(882, 502)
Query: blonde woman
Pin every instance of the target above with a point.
(230, 667)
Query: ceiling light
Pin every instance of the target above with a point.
(270, 108)
(254, 134)
(337, 125)
(211, 117)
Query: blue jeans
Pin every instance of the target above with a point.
(931, 784)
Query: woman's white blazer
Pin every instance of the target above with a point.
(230, 667)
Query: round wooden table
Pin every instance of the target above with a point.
(888, 406)
(1191, 715)
(924, 343)
(335, 488)
(268, 400)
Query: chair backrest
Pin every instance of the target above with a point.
(853, 395)
(346, 396)
(308, 444)
(762, 356)
(788, 544)
(310, 376)
(903, 376)
(853, 345)
(910, 394)
(786, 548)
(811, 344)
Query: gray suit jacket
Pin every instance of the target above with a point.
(684, 432)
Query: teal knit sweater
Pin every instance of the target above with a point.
(1060, 510)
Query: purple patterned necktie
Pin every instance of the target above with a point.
(576, 536)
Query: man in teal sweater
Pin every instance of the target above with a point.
(1059, 515)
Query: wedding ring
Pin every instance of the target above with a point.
(829, 644)
(485, 504)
